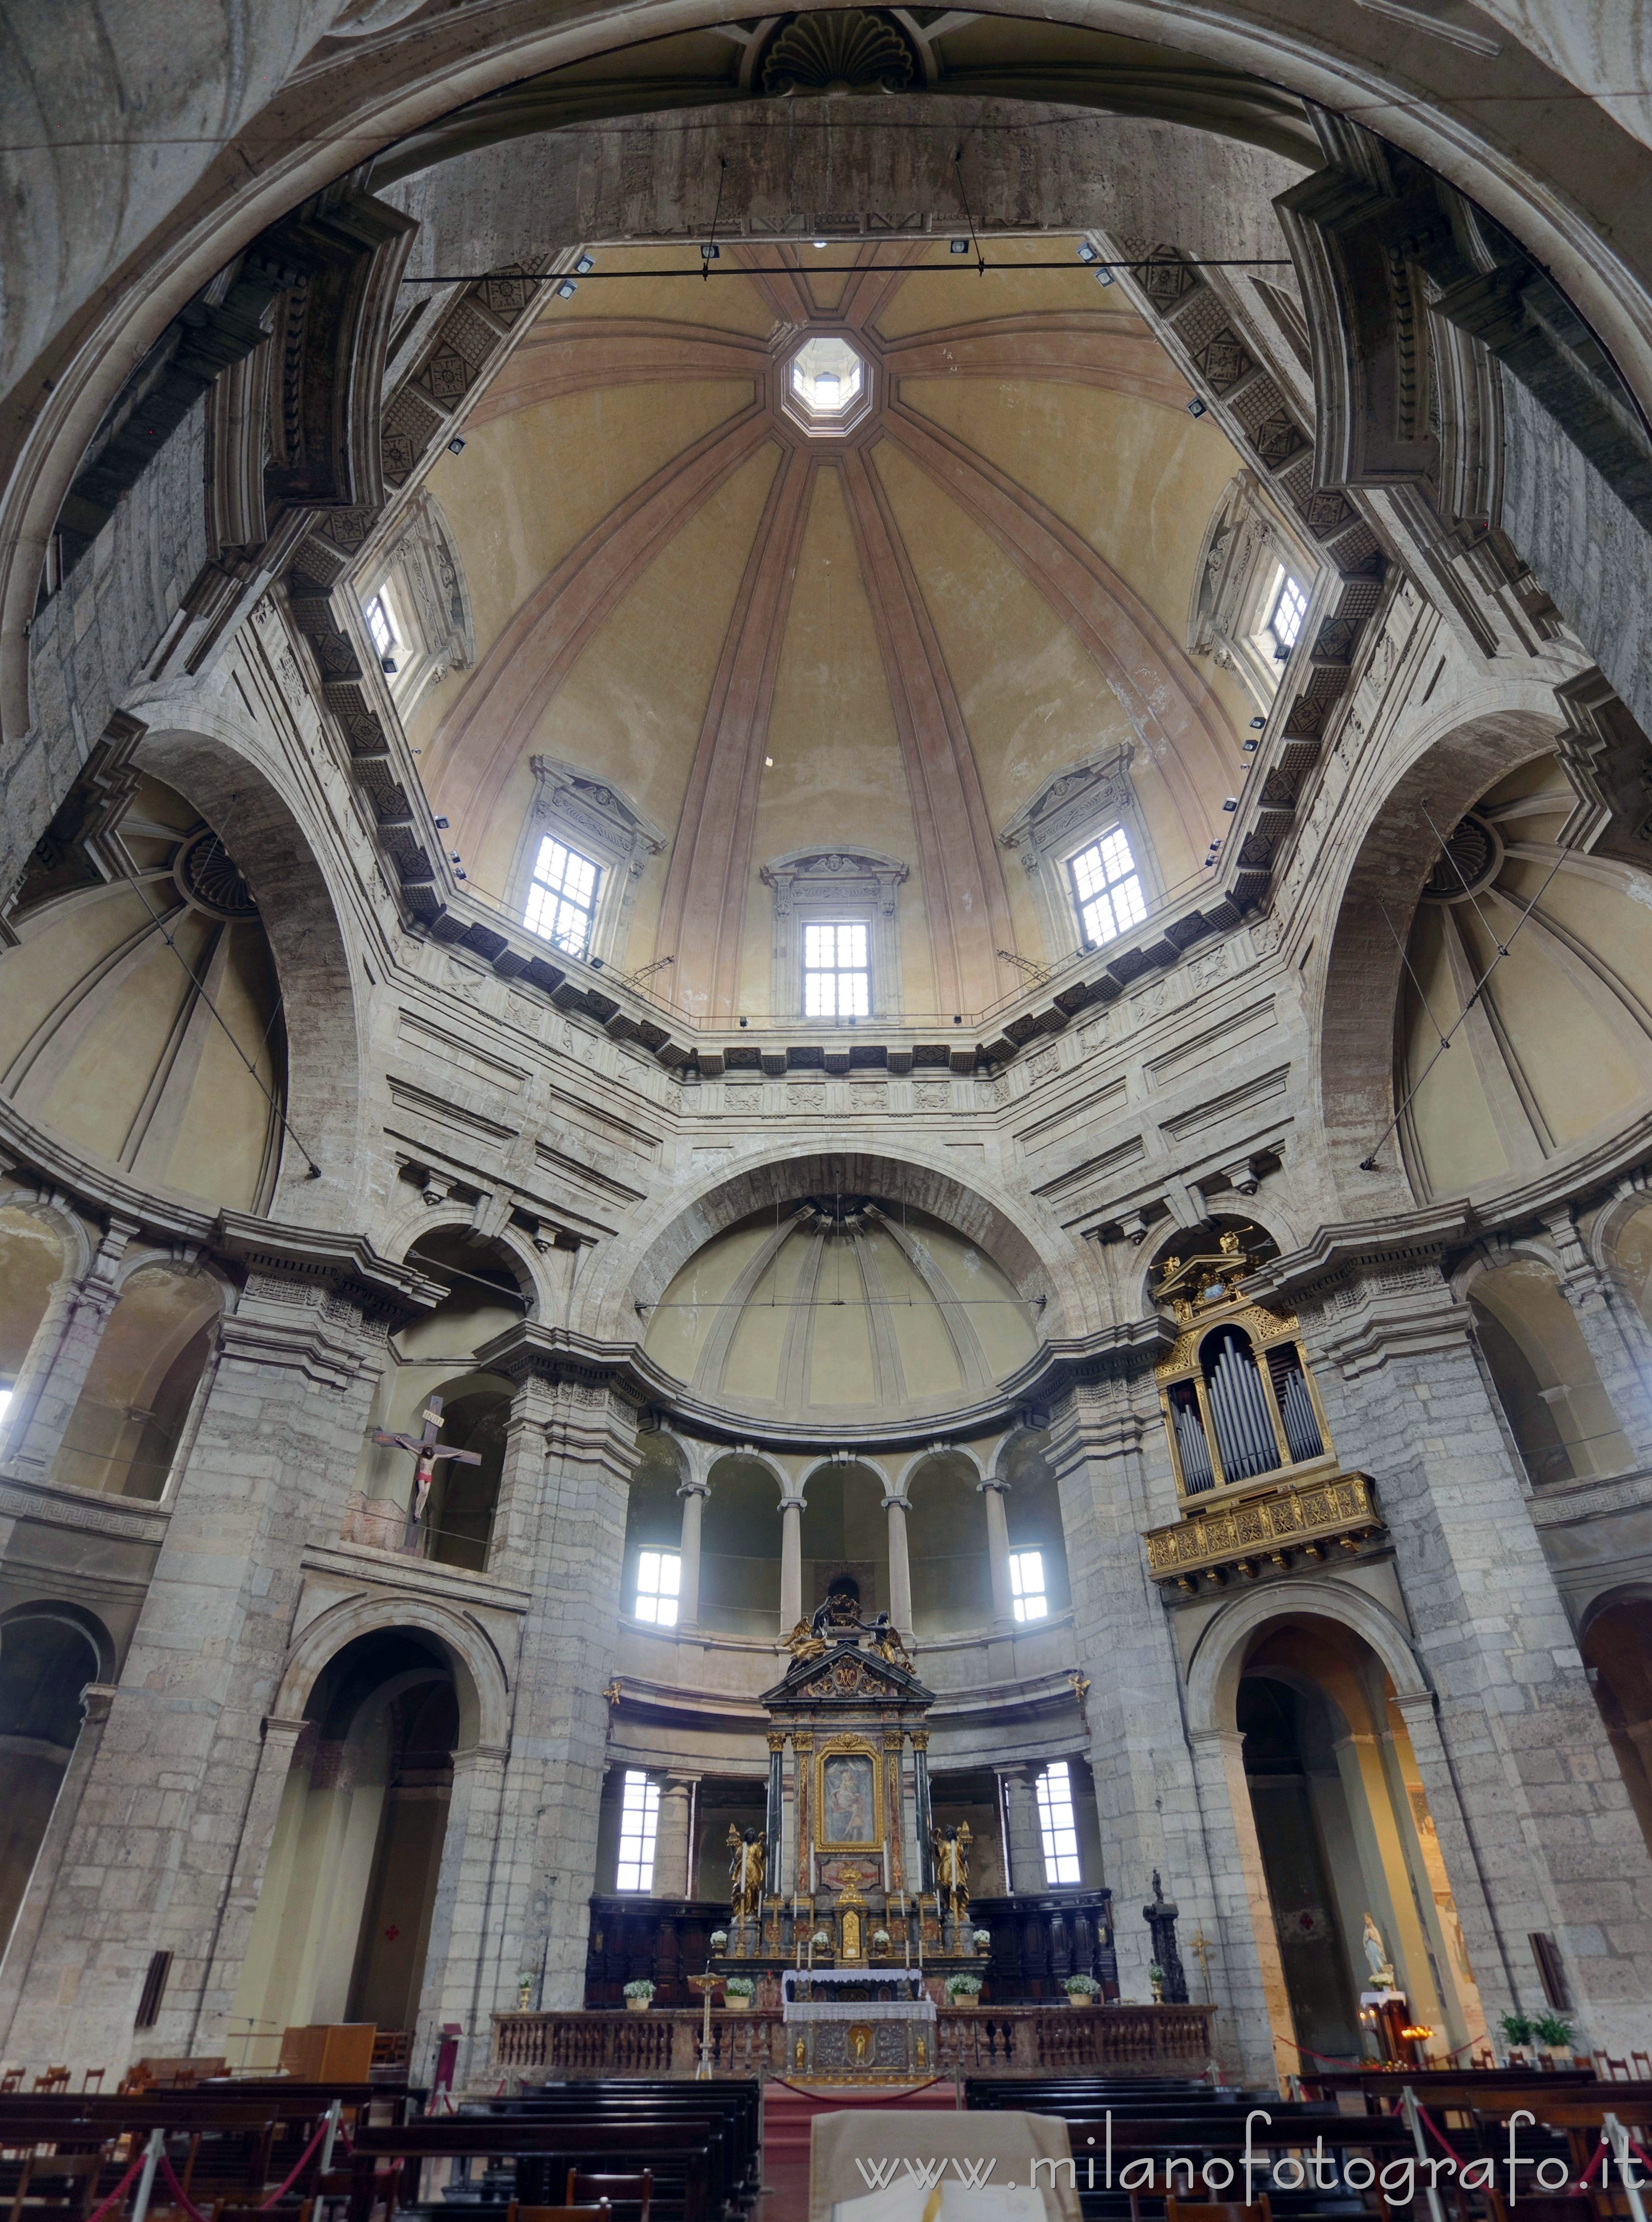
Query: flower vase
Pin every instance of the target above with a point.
(638, 2005)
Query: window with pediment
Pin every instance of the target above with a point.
(583, 851)
(836, 946)
(1087, 855)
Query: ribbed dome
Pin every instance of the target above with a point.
(839, 1305)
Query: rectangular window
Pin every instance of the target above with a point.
(658, 1581)
(1060, 1830)
(1107, 890)
(638, 1820)
(1027, 1584)
(1289, 608)
(562, 901)
(378, 624)
(836, 971)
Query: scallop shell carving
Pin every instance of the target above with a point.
(837, 51)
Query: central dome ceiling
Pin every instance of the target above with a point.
(884, 617)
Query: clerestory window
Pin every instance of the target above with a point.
(1057, 1825)
(1289, 608)
(659, 1584)
(1027, 1592)
(639, 1823)
(1107, 890)
(378, 624)
(562, 897)
(838, 971)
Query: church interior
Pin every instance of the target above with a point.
(812, 831)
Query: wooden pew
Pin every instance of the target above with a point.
(675, 2152)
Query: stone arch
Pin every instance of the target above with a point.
(226, 774)
(403, 1235)
(640, 1267)
(77, 1616)
(1556, 1406)
(1214, 1670)
(480, 1676)
(135, 1412)
(1450, 766)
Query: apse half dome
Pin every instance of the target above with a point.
(842, 1307)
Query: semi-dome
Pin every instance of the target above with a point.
(842, 1306)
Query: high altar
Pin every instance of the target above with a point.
(850, 1884)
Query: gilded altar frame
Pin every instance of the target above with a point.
(837, 1747)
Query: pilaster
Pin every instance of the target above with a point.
(60, 1356)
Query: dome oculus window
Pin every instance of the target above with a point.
(562, 897)
(1027, 1591)
(638, 1823)
(1058, 1825)
(1106, 889)
(837, 970)
(658, 1585)
(828, 385)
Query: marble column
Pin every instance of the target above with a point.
(1025, 1837)
(997, 1548)
(471, 1954)
(900, 1565)
(671, 1836)
(693, 1495)
(790, 1563)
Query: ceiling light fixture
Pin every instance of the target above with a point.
(1251, 747)
(566, 290)
(585, 262)
(1232, 803)
(455, 446)
(710, 252)
(1104, 277)
(958, 246)
(1256, 725)
(820, 248)
(1196, 407)
(1086, 253)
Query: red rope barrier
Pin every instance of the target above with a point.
(1326, 2058)
(298, 2165)
(118, 2194)
(178, 2192)
(1438, 2136)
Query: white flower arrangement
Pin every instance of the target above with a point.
(642, 1988)
(821, 1941)
(880, 1936)
(983, 1938)
(963, 1987)
(740, 1987)
(1082, 1987)
(719, 1939)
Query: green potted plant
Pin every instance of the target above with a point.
(1156, 1978)
(1516, 2034)
(964, 1991)
(639, 1995)
(1553, 2033)
(738, 1993)
(1081, 1989)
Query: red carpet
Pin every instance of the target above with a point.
(788, 2110)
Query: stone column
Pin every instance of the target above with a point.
(1025, 1839)
(900, 1565)
(467, 1958)
(60, 1357)
(571, 1450)
(1522, 1782)
(671, 1843)
(167, 1819)
(1108, 1451)
(790, 1563)
(95, 1700)
(997, 1548)
(1246, 1964)
(253, 1853)
(1611, 1326)
(693, 1494)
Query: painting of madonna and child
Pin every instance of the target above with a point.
(848, 1802)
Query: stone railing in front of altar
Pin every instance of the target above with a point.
(979, 2041)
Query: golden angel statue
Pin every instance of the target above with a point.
(802, 1643)
(951, 1847)
(748, 1857)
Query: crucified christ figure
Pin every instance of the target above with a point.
(425, 1451)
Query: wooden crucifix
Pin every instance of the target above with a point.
(425, 1451)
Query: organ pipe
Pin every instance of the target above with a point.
(1244, 1430)
(1296, 1406)
(1195, 1452)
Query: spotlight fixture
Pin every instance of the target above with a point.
(957, 1020)
(958, 246)
(453, 857)
(1196, 407)
(455, 446)
(1232, 803)
(1251, 747)
(1282, 652)
(566, 290)
(768, 763)
(1086, 253)
(440, 825)
(745, 1022)
(461, 876)
(585, 262)
(1256, 725)
(387, 665)
(820, 248)
(1104, 277)
(710, 252)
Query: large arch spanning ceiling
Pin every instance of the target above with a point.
(889, 641)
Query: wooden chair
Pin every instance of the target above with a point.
(1221, 2209)
(55, 2078)
(56, 2185)
(585, 2190)
(11, 2081)
(1642, 2063)
(93, 2075)
(1610, 2070)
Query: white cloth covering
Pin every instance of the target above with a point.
(1011, 2141)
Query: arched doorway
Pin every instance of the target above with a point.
(343, 1919)
(1617, 1647)
(1341, 1819)
(46, 1658)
